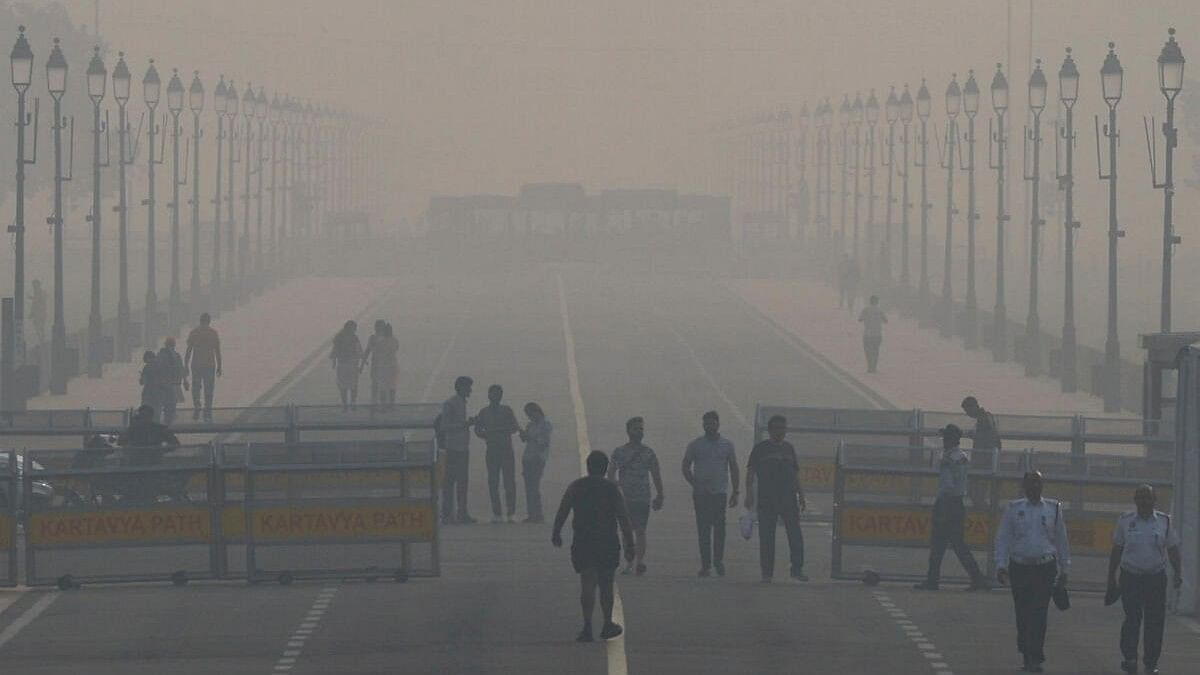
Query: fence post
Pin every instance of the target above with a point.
(292, 433)
(839, 493)
(216, 508)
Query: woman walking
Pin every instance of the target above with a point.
(346, 356)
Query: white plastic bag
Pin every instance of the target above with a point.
(746, 523)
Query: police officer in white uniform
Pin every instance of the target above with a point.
(1032, 550)
(949, 514)
(1143, 543)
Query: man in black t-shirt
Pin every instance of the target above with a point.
(595, 550)
(773, 469)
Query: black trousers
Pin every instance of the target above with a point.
(203, 380)
(501, 461)
(1032, 586)
(454, 484)
(1144, 599)
(532, 470)
(948, 517)
(710, 525)
(769, 512)
(871, 349)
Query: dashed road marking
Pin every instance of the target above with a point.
(295, 643)
(922, 642)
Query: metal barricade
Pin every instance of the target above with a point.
(9, 492)
(112, 515)
(359, 509)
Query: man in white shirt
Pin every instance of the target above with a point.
(1143, 543)
(1032, 549)
(949, 514)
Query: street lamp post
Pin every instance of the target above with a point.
(1068, 93)
(953, 106)
(259, 259)
(1112, 80)
(151, 90)
(892, 115)
(970, 320)
(856, 114)
(1033, 330)
(97, 80)
(1170, 82)
(121, 80)
(906, 116)
(802, 208)
(231, 267)
(56, 82)
(21, 60)
(924, 102)
(873, 247)
(274, 113)
(196, 103)
(216, 284)
(248, 106)
(827, 114)
(175, 106)
(999, 139)
(844, 117)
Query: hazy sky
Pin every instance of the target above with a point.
(489, 94)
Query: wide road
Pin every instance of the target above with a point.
(667, 349)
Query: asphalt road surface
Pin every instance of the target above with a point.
(667, 350)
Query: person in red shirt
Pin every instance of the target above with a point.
(203, 359)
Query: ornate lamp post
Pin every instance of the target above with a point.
(856, 116)
(175, 106)
(906, 116)
(249, 105)
(216, 283)
(274, 114)
(844, 117)
(891, 111)
(970, 326)
(827, 115)
(953, 106)
(924, 105)
(259, 259)
(97, 81)
(802, 207)
(121, 80)
(196, 103)
(56, 82)
(999, 139)
(151, 91)
(1170, 82)
(1033, 138)
(1068, 93)
(873, 248)
(1112, 80)
(231, 266)
(21, 61)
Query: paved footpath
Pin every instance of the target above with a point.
(917, 367)
(261, 342)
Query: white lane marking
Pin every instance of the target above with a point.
(712, 382)
(922, 642)
(295, 643)
(618, 664)
(27, 617)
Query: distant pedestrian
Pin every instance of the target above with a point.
(708, 465)
(1143, 543)
(203, 358)
(152, 381)
(346, 357)
(772, 471)
(174, 378)
(872, 319)
(599, 510)
(633, 466)
(533, 462)
(496, 424)
(987, 431)
(949, 514)
(1032, 549)
(373, 342)
(37, 310)
(453, 426)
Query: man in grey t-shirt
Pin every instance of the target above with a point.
(708, 464)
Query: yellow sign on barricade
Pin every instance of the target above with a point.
(887, 525)
(369, 521)
(140, 526)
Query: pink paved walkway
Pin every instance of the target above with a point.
(917, 367)
(261, 342)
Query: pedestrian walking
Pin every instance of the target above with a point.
(386, 363)
(536, 436)
(872, 318)
(633, 467)
(152, 380)
(496, 424)
(203, 360)
(37, 310)
(174, 379)
(346, 357)
(453, 426)
(949, 514)
(987, 431)
(772, 471)
(1032, 550)
(1143, 543)
(377, 391)
(710, 467)
(599, 510)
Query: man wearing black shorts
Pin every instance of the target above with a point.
(595, 550)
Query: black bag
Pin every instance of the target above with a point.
(1062, 599)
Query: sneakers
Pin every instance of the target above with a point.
(627, 570)
(979, 586)
(611, 631)
(1130, 667)
(585, 635)
(925, 586)
(720, 568)
(466, 520)
(497, 519)
(800, 577)
(640, 571)
(765, 580)
(703, 572)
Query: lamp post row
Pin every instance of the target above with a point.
(846, 239)
(286, 132)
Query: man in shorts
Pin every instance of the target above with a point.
(595, 550)
(633, 465)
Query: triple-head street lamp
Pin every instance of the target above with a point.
(121, 80)
(21, 61)
(970, 320)
(97, 81)
(175, 96)
(196, 104)
(1033, 140)
(151, 92)
(56, 82)
(953, 107)
(891, 113)
(1068, 94)
(924, 104)
(1112, 81)
(998, 140)
(906, 117)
